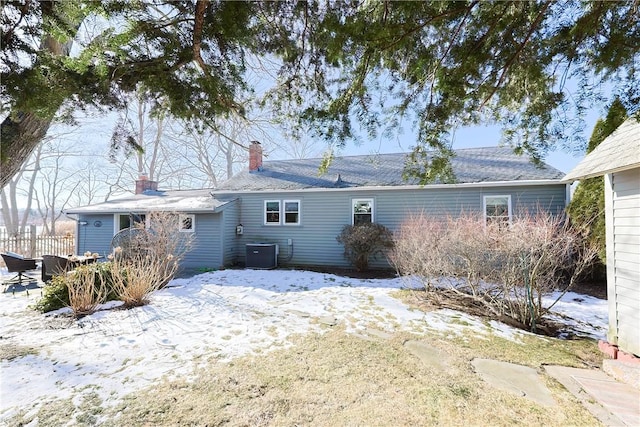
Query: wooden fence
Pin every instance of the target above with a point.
(28, 243)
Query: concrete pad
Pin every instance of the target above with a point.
(612, 402)
(427, 354)
(626, 372)
(517, 379)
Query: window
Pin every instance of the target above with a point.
(127, 220)
(497, 209)
(362, 211)
(272, 212)
(292, 212)
(187, 223)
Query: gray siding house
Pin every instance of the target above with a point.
(618, 159)
(290, 208)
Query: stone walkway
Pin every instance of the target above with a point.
(612, 402)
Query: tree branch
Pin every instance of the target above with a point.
(513, 58)
(201, 9)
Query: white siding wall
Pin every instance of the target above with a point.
(622, 206)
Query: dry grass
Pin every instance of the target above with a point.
(86, 290)
(136, 277)
(150, 258)
(341, 379)
(10, 352)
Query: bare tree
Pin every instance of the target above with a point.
(19, 189)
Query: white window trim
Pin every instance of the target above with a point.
(484, 206)
(283, 216)
(264, 212)
(181, 217)
(373, 210)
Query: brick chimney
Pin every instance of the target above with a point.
(144, 184)
(255, 156)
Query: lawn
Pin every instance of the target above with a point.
(243, 347)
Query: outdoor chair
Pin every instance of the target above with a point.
(18, 264)
(53, 265)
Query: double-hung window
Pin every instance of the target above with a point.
(291, 212)
(282, 212)
(272, 212)
(497, 209)
(362, 211)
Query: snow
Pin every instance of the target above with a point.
(218, 315)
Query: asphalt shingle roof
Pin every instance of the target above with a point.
(619, 151)
(470, 165)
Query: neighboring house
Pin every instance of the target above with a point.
(618, 159)
(289, 204)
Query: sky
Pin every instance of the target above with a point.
(222, 315)
(478, 136)
(97, 131)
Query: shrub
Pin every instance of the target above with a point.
(55, 296)
(86, 288)
(504, 270)
(363, 241)
(150, 260)
(56, 292)
(136, 276)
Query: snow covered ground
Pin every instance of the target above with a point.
(222, 315)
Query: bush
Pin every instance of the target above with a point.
(55, 296)
(87, 289)
(504, 270)
(363, 241)
(56, 292)
(150, 259)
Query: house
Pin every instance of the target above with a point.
(618, 159)
(289, 208)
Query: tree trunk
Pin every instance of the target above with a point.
(19, 138)
(22, 131)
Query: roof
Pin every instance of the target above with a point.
(150, 201)
(619, 151)
(470, 165)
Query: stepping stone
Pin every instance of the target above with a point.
(614, 403)
(328, 320)
(299, 313)
(516, 379)
(378, 333)
(427, 354)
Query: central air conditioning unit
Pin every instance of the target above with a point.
(261, 255)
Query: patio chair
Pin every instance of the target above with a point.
(54, 265)
(18, 264)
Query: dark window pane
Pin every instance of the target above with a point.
(361, 219)
(291, 218)
(187, 223)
